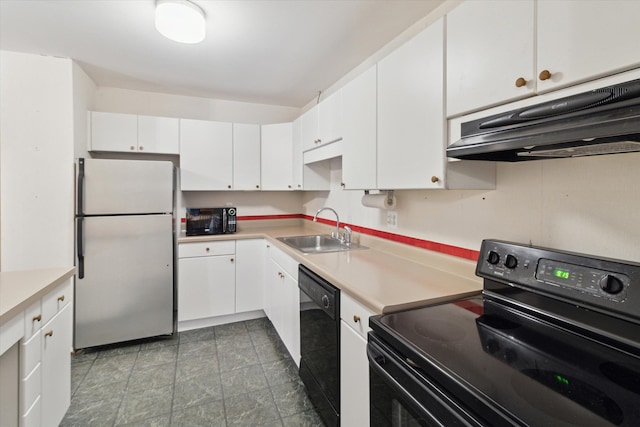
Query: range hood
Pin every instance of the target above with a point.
(602, 121)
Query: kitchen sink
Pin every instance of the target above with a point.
(321, 243)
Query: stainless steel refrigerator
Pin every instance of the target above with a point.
(124, 287)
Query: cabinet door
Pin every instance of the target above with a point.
(206, 287)
(277, 159)
(490, 45)
(296, 154)
(411, 120)
(354, 378)
(206, 155)
(56, 367)
(158, 135)
(359, 132)
(113, 132)
(582, 40)
(330, 118)
(310, 129)
(250, 274)
(291, 316)
(246, 156)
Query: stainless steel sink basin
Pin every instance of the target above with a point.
(318, 244)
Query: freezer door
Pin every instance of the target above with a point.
(127, 290)
(106, 186)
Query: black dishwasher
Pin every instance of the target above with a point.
(320, 344)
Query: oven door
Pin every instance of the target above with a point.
(401, 396)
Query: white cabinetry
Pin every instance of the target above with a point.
(277, 156)
(246, 156)
(489, 48)
(359, 132)
(282, 299)
(411, 113)
(206, 155)
(499, 51)
(129, 133)
(322, 124)
(297, 166)
(206, 279)
(250, 274)
(309, 129)
(354, 366)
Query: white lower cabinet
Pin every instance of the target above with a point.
(250, 274)
(354, 365)
(206, 279)
(282, 299)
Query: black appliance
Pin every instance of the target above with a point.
(320, 344)
(553, 340)
(201, 221)
(602, 121)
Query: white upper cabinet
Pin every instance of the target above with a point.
(500, 51)
(296, 153)
(584, 40)
(309, 129)
(206, 155)
(490, 53)
(411, 113)
(246, 156)
(129, 133)
(159, 135)
(359, 132)
(277, 152)
(323, 123)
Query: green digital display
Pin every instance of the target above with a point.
(562, 274)
(562, 380)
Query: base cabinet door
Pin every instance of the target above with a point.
(354, 381)
(56, 367)
(250, 274)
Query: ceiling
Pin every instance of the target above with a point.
(279, 52)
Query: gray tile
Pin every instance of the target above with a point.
(251, 409)
(110, 369)
(199, 366)
(236, 359)
(88, 392)
(291, 399)
(142, 404)
(260, 323)
(83, 356)
(91, 414)
(230, 329)
(160, 342)
(281, 371)
(117, 350)
(197, 335)
(272, 351)
(161, 421)
(152, 377)
(233, 342)
(303, 419)
(210, 414)
(243, 380)
(196, 391)
(196, 348)
(78, 372)
(263, 336)
(159, 356)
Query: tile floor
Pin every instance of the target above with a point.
(239, 374)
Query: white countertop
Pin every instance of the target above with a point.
(20, 289)
(387, 277)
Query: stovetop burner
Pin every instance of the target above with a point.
(440, 330)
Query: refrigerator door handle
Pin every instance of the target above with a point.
(80, 247)
(81, 186)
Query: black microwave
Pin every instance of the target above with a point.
(201, 221)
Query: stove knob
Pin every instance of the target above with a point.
(325, 301)
(493, 258)
(611, 284)
(511, 262)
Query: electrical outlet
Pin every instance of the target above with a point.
(392, 219)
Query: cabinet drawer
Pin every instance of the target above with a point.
(29, 390)
(285, 261)
(355, 315)
(191, 250)
(33, 417)
(55, 301)
(32, 319)
(30, 354)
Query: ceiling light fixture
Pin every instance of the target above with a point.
(180, 20)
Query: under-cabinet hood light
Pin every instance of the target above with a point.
(180, 20)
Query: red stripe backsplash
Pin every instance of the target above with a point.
(407, 240)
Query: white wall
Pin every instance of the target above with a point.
(589, 205)
(36, 151)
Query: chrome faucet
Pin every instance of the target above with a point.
(336, 234)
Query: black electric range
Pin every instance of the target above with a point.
(554, 340)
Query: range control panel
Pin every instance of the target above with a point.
(601, 282)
